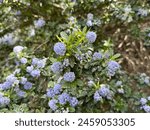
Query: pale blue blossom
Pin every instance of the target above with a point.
(18, 49)
(91, 37)
(73, 101)
(69, 76)
(52, 104)
(57, 88)
(56, 67)
(35, 73)
(143, 101)
(146, 108)
(23, 60)
(63, 98)
(60, 48)
(27, 85)
(39, 23)
(97, 56)
(97, 96)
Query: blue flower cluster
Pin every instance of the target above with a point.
(89, 22)
(34, 69)
(56, 67)
(97, 56)
(33, 72)
(62, 99)
(27, 85)
(51, 92)
(18, 49)
(4, 100)
(144, 78)
(103, 92)
(10, 81)
(39, 63)
(39, 23)
(52, 104)
(8, 39)
(65, 97)
(112, 67)
(60, 48)
(144, 104)
(23, 60)
(91, 37)
(20, 93)
(69, 76)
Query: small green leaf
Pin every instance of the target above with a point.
(115, 56)
(71, 109)
(80, 82)
(64, 35)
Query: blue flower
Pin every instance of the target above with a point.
(6, 85)
(41, 63)
(21, 93)
(73, 101)
(35, 61)
(60, 48)
(69, 76)
(64, 98)
(90, 16)
(97, 56)
(146, 108)
(23, 80)
(57, 88)
(112, 67)
(17, 49)
(4, 101)
(56, 67)
(29, 69)
(91, 37)
(11, 78)
(35, 73)
(50, 93)
(143, 101)
(52, 104)
(23, 60)
(39, 23)
(89, 23)
(104, 91)
(27, 85)
(97, 96)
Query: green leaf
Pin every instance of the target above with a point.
(80, 82)
(50, 84)
(115, 56)
(71, 109)
(64, 35)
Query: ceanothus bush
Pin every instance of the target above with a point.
(59, 65)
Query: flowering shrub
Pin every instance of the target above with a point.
(61, 57)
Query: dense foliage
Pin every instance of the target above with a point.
(60, 56)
